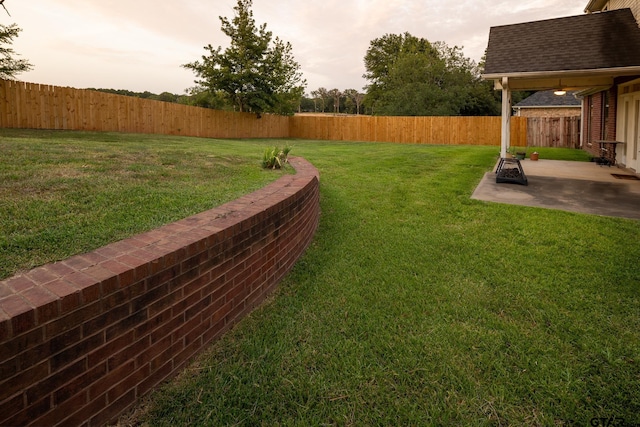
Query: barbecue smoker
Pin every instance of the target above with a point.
(510, 171)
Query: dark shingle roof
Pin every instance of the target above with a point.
(546, 98)
(584, 42)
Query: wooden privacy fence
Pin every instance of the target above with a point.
(562, 132)
(412, 130)
(35, 106)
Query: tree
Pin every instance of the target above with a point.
(4, 7)
(9, 65)
(381, 58)
(355, 97)
(411, 76)
(383, 52)
(167, 97)
(336, 96)
(308, 104)
(256, 73)
(199, 97)
(322, 95)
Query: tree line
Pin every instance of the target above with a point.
(257, 73)
(323, 100)
(406, 75)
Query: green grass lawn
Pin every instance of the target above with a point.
(416, 305)
(63, 193)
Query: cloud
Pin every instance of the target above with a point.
(140, 45)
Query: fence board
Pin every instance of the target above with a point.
(416, 130)
(561, 132)
(28, 105)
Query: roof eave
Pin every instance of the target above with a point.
(595, 6)
(615, 72)
(568, 80)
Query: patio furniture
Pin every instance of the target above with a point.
(607, 152)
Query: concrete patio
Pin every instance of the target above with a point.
(570, 186)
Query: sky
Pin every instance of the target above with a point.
(140, 45)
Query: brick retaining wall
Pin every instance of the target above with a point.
(81, 340)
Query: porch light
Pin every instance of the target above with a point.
(559, 92)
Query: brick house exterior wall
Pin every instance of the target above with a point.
(600, 109)
(599, 119)
(549, 112)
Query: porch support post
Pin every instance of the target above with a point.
(505, 140)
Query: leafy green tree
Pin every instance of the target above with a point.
(482, 100)
(9, 65)
(411, 76)
(322, 96)
(167, 97)
(354, 100)
(336, 97)
(256, 72)
(382, 57)
(383, 53)
(199, 97)
(123, 92)
(308, 104)
(164, 96)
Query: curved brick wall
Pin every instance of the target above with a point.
(82, 339)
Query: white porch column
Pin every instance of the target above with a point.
(505, 140)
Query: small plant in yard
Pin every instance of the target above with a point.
(275, 157)
(518, 152)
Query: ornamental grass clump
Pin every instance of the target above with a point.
(275, 158)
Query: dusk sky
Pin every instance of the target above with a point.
(139, 45)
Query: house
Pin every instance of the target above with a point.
(597, 54)
(614, 114)
(546, 103)
(595, 6)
